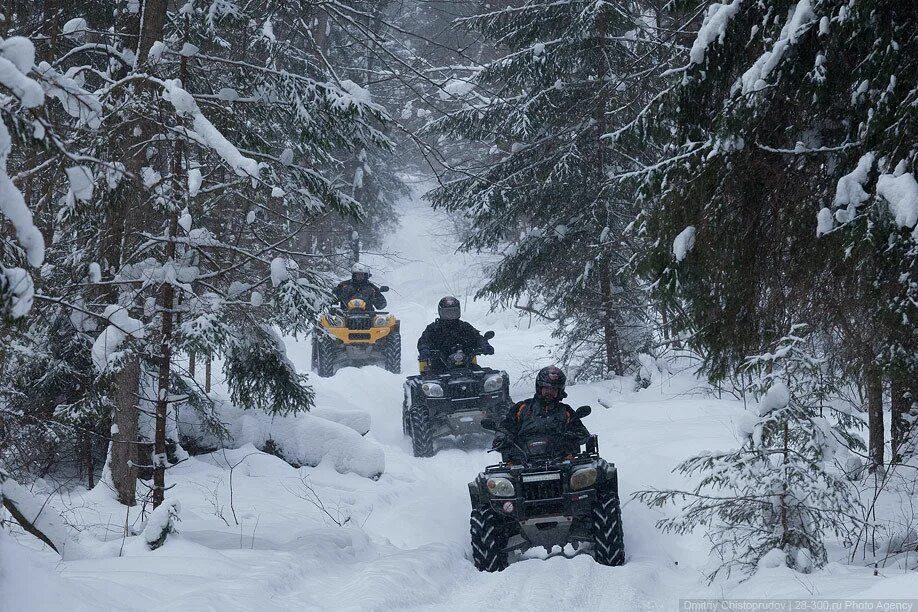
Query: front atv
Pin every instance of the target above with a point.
(546, 502)
(452, 403)
(356, 336)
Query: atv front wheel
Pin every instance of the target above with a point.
(608, 535)
(392, 352)
(489, 539)
(421, 434)
(324, 355)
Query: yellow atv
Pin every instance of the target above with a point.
(357, 335)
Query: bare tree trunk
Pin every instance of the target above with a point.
(875, 418)
(207, 363)
(610, 334)
(122, 220)
(163, 377)
(123, 460)
(151, 28)
(51, 26)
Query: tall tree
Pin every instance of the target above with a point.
(569, 73)
(787, 190)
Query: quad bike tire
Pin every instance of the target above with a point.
(323, 355)
(392, 353)
(489, 540)
(608, 535)
(422, 444)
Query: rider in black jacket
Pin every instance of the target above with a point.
(447, 333)
(360, 287)
(544, 415)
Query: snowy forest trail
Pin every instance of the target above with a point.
(420, 506)
(266, 536)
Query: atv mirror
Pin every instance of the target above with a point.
(488, 424)
(384, 288)
(488, 335)
(583, 411)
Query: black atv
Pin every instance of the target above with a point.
(452, 398)
(542, 498)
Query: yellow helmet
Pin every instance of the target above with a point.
(357, 304)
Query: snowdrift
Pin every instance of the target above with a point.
(309, 438)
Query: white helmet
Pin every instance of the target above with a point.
(360, 272)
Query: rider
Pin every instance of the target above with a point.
(360, 287)
(545, 415)
(447, 333)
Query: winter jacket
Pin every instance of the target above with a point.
(534, 417)
(444, 335)
(347, 290)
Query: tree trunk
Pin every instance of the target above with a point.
(207, 363)
(901, 426)
(614, 361)
(50, 27)
(151, 29)
(122, 220)
(163, 377)
(124, 435)
(875, 419)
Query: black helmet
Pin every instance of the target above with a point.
(550, 383)
(448, 308)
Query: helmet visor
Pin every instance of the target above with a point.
(549, 393)
(359, 277)
(449, 312)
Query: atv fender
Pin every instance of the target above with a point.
(612, 478)
(474, 494)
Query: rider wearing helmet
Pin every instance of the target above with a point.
(545, 415)
(360, 287)
(447, 333)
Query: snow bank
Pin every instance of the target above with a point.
(713, 28)
(308, 439)
(26, 583)
(325, 435)
(357, 420)
(37, 511)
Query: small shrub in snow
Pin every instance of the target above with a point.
(773, 500)
(161, 523)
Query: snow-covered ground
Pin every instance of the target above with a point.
(265, 536)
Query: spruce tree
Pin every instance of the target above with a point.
(568, 75)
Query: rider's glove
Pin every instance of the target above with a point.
(487, 349)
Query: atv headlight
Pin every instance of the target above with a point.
(493, 383)
(501, 487)
(432, 389)
(334, 320)
(581, 479)
(380, 321)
